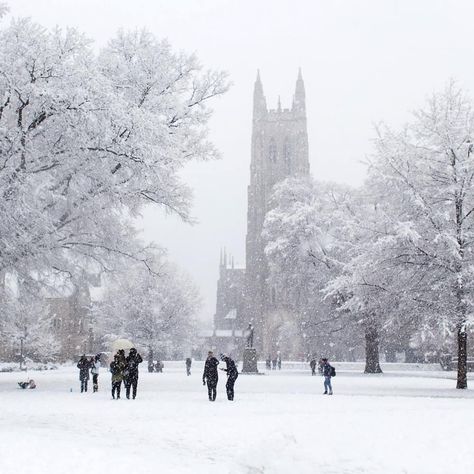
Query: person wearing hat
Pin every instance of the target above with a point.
(210, 376)
(232, 374)
(131, 371)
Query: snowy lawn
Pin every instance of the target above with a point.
(399, 422)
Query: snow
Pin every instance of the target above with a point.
(404, 421)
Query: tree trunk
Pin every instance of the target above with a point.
(461, 332)
(462, 357)
(372, 364)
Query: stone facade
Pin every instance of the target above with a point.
(279, 149)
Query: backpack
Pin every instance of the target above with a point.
(333, 371)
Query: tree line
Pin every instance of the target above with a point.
(392, 260)
(87, 139)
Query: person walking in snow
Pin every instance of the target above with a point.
(95, 373)
(328, 372)
(210, 375)
(131, 372)
(117, 368)
(188, 365)
(83, 365)
(312, 364)
(232, 374)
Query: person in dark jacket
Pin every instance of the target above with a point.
(232, 374)
(131, 372)
(188, 365)
(327, 373)
(83, 365)
(211, 376)
(312, 364)
(117, 368)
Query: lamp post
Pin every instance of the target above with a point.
(21, 352)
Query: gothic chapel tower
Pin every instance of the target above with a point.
(279, 150)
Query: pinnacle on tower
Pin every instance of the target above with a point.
(299, 99)
(259, 102)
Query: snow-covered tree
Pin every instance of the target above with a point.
(423, 175)
(157, 312)
(308, 239)
(27, 319)
(86, 141)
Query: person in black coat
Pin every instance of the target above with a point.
(328, 372)
(117, 368)
(83, 365)
(312, 364)
(131, 372)
(211, 376)
(232, 374)
(188, 365)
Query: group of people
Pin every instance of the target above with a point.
(123, 369)
(155, 366)
(87, 366)
(211, 375)
(271, 363)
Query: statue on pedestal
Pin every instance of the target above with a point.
(250, 353)
(249, 333)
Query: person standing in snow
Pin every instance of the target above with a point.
(121, 356)
(232, 374)
(211, 376)
(312, 364)
(188, 366)
(83, 365)
(131, 372)
(95, 373)
(116, 368)
(328, 372)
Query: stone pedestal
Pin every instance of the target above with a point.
(250, 361)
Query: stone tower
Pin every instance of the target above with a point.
(279, 150)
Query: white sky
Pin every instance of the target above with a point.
(362, 60)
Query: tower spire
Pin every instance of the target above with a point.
(259, 102)
(299, 99)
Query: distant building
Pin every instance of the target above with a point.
(279, 150)
(71, 318)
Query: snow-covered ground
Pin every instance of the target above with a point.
(404, 421)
